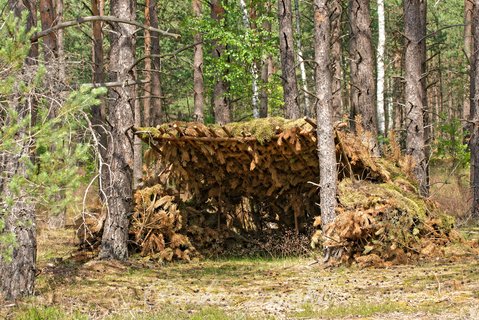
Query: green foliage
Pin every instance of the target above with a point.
(450, 143)
(45, 146)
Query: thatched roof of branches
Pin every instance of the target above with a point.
(262, 158)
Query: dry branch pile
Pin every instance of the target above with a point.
(217, 187)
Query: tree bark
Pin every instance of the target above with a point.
(266, 69)
(336, 12)
(288, 67)
(474, 115)
(47, 15)
(198, 82)
(220, 103)
(307, 105)
(380, 68)
(147, 87)
(414, 92)
(156, 92)
(254, 69)
(468, 50)
(119, 148)
(326, 145)
(363, 86)
(17, 275)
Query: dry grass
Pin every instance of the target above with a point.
(450, 189)
(69, 288)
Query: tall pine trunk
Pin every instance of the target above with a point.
(198, 82)
(17, 275)
(266, 68)
(414, 92)
(474, 114)
(156, 112)
(302, 67)
(326, 145)
(119, 148)
(220, 102)
(336, 12)
(288, 67)
(254, 68)
(363, 86)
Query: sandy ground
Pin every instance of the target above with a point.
(296, 288)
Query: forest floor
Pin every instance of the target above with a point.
(289, 288)
(75, 286)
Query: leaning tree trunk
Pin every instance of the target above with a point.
(474, 114)
(288, 67)
(198, 83)
(119, 148)
(17, 274)
(220, 103)
(326, 145)
(414, 92)
(363, 86)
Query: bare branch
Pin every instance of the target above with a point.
(82, 20)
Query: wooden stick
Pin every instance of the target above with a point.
(311, 122)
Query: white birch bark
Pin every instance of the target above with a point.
(380, 66)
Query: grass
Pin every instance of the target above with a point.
(363, 309)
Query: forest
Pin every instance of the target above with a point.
(245, 159)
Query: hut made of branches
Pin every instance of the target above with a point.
(254, 174)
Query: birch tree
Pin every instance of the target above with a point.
(380, 68)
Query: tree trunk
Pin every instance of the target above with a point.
(266, 70)
(288, 68)
(307, 105)
(336, 59)
(363, 86)
(425, 105)
(147, 88)
(47, 15)
(414, 92)
(380, 68)
(326, 145)
(156, 92)
(17, 275)
(119, 148)
(60, 44)
(474, 115)
(468, 47)
(220, 103)
(254, 69)
(198, 83)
